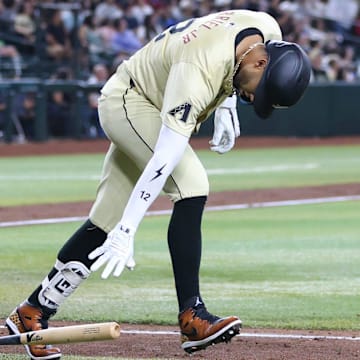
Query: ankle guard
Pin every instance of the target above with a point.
(64, 282)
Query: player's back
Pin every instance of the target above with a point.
(207, 42)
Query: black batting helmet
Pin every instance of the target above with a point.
(285, 77)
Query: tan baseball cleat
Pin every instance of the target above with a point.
(29, 318)
(199, 328)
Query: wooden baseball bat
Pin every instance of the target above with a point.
(65, 334)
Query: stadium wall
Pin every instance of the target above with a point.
(326, 110)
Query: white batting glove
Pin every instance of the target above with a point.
(226, 126)
(117, 251)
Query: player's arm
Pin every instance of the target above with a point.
(117, 251)
(181, 107)
(180, 113)
(168, 152)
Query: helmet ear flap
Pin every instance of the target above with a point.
(285, 78)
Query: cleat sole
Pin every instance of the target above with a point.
(225, 337)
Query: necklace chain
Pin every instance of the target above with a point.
(237, 65)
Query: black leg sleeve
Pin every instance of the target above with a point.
(184, 240)
(86, 239)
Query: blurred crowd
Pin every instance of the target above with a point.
(88, 39)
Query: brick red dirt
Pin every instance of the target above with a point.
(138, 346)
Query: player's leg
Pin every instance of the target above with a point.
(72, 266)
(70, 270)
(133, 135)
(188, 188)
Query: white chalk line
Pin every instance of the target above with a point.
(252, 335)
(249, 335)
(262, 169)
(54, 177)
(208, 209)
(216, 171)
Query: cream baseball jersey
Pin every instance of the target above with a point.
(187, 70)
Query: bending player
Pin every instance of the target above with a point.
(149, 109)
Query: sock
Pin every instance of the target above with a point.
(184, 241)
(87, 238)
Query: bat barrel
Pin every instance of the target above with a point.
(77, 333)
(65, 334)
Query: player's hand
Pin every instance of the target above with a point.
(226, 126)
(117, 251)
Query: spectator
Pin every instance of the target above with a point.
(348, 71)
(240, 4)
(167, 17)
(3, 108)
(329, 21)
(58, 111)
(24, 22)
(205, 7)
(133, 23)
(187, 8)
(318, 73)
(124, 40)
(9, 121)
(347, 54)
(99, 75)
(7, 15)
(304, 41)
(342, 15)
(68, 19)
(318, 30)
(10, 52)
(295, 8)
(59, 108)
(107, 31)
(91, 42)
(274, 9)
(151, 27)
(256, 5)
(57, 39)
(26, 106)
(107, 10)
(333, 68)
(316, 8)
(346, 74)
(356, 24)
(140, 10)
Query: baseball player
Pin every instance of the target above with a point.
(149, 109)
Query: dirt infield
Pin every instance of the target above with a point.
(166, 345)
(252, 345)
(95, 146)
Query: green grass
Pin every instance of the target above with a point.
(70, 178)
(45, 179)
(285, 267)
(283, 167)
